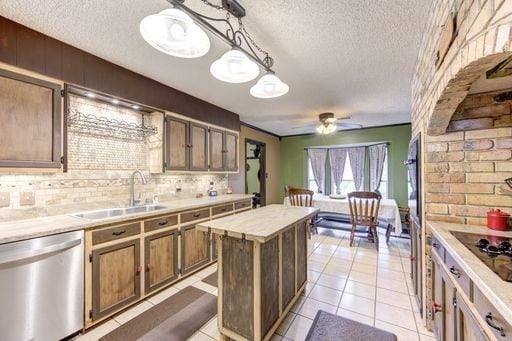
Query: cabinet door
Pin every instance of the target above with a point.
(30, 111)
(231, 152)
(177, 141)
(449, 307)
(216, 150)
(198, 147)
(195, 248)
(468, 328)
(161, 259)
(437, 299)
(115, 277)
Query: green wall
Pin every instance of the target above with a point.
(294, 157)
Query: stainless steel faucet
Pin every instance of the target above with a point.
(132, 185)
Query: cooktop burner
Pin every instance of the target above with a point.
(494, 251)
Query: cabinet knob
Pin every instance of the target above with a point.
(139, 269)
(436, 308)
(149, 267)
(435, 245)
(412, 258)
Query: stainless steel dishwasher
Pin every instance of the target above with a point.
(42, 287)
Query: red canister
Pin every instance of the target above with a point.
(497, 220)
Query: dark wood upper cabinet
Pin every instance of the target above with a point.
(231, 152)
(31, 116)
(198, 147)
(217, 138)
(177, 156)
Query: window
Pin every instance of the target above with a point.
(311, 179)
(347, 184)
(383, 188)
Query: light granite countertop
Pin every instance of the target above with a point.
(497, 291)
(261, 224)
(58, 219)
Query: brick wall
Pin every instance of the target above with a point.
(465, 168)
(466, 141)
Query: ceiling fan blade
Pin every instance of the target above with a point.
(349, 126)
(343, 118)
(306, 126)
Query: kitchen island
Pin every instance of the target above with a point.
(262, 268)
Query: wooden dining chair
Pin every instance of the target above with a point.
(364, 211)
(303, 197)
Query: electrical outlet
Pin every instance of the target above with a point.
(27, 198)
(5, 199)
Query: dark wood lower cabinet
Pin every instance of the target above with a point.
(115, 277)
(161, 259)
(195, 248)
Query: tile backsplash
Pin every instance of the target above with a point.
(99, 169)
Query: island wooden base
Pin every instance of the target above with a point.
(260, 282)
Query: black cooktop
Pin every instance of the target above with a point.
(494, 251)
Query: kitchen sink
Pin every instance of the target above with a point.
(117, 212)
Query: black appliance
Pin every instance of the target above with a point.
(493, 251)
(413, 163)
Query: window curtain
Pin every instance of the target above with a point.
(377, 155)
(317, 158)
(337, 158)
(356, 158)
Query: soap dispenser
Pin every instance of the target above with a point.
(212, 192)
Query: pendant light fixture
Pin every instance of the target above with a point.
(234, 67)
(269, 86)
(178, 31)
(173, 32)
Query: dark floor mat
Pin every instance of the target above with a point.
(176, 318)
(212, 279)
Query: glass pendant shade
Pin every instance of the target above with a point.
(326, 129)
(269, 86)
(234, 67)
(173, 32)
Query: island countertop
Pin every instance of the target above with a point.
(261, 224)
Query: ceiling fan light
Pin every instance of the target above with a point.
(173, 32)
(326, 129)
(269, 86)
(234, 67)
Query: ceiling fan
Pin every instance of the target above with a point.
(328, 124)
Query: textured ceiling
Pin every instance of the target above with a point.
(352, 57)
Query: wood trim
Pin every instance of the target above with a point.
(48, 56)
(65, 129)
(261, 130)
(56, 122)
(342, 131)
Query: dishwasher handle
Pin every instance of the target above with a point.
(18, 256)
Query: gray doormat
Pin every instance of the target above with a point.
(212, 279)
(329, 327)
(177, 318)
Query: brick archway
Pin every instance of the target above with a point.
(457, 89)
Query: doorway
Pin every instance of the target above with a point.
(255, 171)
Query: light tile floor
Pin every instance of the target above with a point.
(355, 282)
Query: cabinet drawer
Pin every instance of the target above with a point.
(494, 321)
(195, 215)
(437, 247)
(115, 232)
(243, 204)
(222, 209)
(159, 223)
(456, 273)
